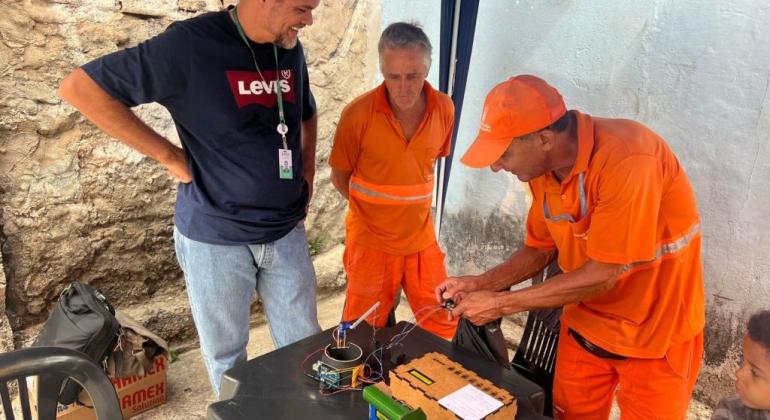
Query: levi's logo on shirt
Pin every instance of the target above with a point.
(249, 88)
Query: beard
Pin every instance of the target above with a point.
(286, 43)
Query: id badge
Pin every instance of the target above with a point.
(284, 164)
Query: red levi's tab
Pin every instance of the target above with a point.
(248, 87)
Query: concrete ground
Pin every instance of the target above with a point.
(188, 388)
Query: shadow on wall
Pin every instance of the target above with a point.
(724, 329)
(722, 351)
(474, 242)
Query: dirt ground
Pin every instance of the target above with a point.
(189, 393)
(188, 389)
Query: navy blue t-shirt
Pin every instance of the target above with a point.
(226, 115)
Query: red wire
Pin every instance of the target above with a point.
(302, 365)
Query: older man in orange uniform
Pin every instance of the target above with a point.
(385, 147)
(610, 196)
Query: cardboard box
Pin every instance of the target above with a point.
(135, 395)
(424, 381)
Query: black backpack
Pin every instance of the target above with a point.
(82, 320)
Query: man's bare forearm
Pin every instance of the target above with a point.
(114, 118)
(309, 140)
(588, 281)
(341, 181)
(521, 265)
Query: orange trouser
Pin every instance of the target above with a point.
(374, 276)
(585, 385)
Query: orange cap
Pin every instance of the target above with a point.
(521, 105)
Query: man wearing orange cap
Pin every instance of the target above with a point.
(385, 147)
(610, 197)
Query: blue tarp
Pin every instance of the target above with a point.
(466, 28)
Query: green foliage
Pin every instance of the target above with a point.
(316, 245)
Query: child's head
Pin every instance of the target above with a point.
(753, 377)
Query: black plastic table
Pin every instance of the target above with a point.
(273, 386)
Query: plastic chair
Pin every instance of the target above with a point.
(52, 365)
(535, 357)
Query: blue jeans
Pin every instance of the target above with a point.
(220, 281)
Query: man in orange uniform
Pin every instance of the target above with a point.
(611, 198)
(385, 147)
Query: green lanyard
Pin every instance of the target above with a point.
(282, 128)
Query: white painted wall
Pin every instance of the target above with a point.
(695, 71)
(426, 13)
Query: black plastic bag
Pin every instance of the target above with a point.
(82, 320)
(487, 341)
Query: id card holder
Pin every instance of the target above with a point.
(284, 164)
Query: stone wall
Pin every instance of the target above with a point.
(6, 334)
(77, 205)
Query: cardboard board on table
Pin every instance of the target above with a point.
(135, 394)
(426, 380)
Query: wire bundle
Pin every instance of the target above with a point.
(371, 374)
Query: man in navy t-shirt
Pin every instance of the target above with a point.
(236, 85)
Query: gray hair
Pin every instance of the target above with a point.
(405, 35)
